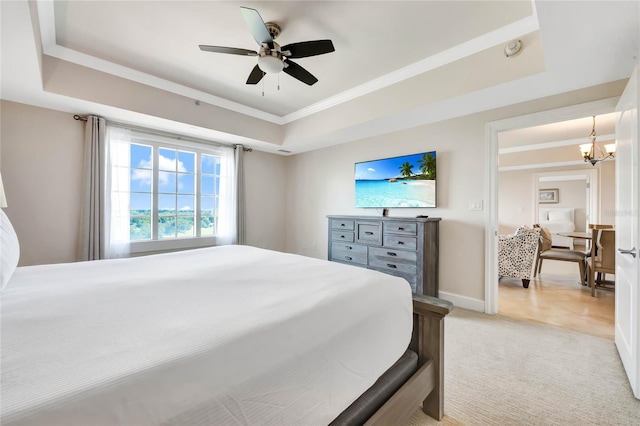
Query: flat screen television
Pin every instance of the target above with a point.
(405, 181)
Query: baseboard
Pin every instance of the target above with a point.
(463, 301)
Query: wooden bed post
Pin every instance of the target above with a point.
(426, 385)
(428, 343)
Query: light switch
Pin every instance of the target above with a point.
(475, 205)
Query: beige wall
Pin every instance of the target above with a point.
(322, 182)
(516, 205)
(41, 169)
(607, 187)
(265, 180)
(42, 166)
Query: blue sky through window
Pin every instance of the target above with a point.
(169, 162)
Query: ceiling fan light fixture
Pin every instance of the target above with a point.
(271, 63)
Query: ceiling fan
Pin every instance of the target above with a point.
(271, 57)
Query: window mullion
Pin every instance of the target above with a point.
(175, 198)
(196, 170)
(154, 201)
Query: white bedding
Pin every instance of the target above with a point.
(224, 335)
(558, 220)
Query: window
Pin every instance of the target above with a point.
(165, 190)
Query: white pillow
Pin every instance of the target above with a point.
(9, 250)
(559, 215)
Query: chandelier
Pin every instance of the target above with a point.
(592, 152)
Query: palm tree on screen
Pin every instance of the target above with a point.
(406, 169)
(428, 165)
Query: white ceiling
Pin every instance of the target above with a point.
(578, 129)
(380, 48)
(162, 38)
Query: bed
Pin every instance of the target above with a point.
(558, 220)
(222, 335)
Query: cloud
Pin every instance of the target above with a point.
(186, 208)
(142, 176)
(371, 169)
(164, 163)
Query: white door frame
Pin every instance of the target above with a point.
(492, 129)
(590, 176)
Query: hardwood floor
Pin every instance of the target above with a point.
(557, 298)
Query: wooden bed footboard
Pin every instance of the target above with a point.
(426, 386)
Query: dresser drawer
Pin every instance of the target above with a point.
(395, 260)
(347, 225)
(369, 233)
(342, 236)
(398, 241)
(402, 246)
(346, 252)
(404, 228)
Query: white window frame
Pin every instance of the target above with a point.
(171, 244)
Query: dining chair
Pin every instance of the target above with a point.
(591, 227)
(602, 260)
(545, 251)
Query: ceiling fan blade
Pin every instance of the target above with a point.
(257, 27)
(296, 71)
(231, 50)
(308, 48)
(255, 76)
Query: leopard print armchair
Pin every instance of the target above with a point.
(517, 252)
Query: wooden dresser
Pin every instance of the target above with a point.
(405, 247)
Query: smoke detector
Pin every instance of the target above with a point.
(513, 48)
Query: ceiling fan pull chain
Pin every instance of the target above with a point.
(278, 82)
(263, 87)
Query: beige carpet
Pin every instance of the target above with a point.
(500, 371)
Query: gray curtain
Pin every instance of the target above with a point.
(240, 209)
(93, 239)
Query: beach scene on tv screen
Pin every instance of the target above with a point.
(406, 181)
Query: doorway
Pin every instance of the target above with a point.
(604, 106)
(562, 199)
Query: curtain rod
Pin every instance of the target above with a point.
(78, 117)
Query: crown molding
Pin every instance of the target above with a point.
(46, 18)
(478, 44)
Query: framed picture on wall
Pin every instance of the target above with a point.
(548, 196)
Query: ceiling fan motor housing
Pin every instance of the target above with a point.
(274, 29)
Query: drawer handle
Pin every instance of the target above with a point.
(391, 265)
(400, 228)
(400, 243)
(390, 253)
(341, 236)
(348, 247)
(342, 224)
(348, 257)
(369, 233)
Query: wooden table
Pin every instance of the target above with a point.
(578, 235)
